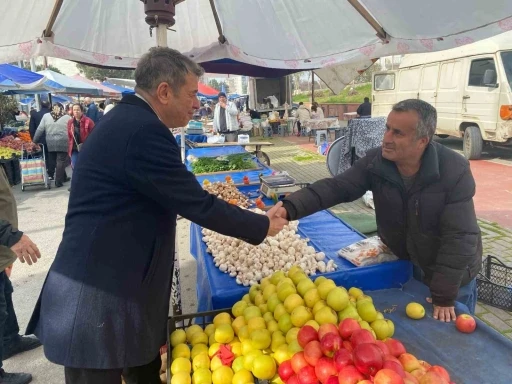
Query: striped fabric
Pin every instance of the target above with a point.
(32, 171)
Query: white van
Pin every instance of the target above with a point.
(470, 86)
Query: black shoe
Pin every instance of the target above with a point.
(21, 344)
(67, 179)
(58, 185)
(15, 378)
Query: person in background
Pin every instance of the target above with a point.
(13, 244)
(365, 109)
(302, 115)
(316, 111)
(423, 194)
(101, 107)
(35, 120)
(53, 127)
(225, 115)
(92, 110)
(79, 128)
(108, 107)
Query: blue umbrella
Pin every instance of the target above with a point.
(123, 90)
(12, 77)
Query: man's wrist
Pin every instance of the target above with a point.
(14, 238)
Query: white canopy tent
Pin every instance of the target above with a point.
(287, 35)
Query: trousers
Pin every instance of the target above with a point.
(9, 328)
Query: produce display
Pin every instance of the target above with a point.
(7, 153)
(17, 144)
(235, 162)
(227, 192)
(249, 263)
(289, 329)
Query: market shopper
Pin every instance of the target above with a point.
(53, 127)
(303, 114)
(225, 115)
(92, 111)
(365, 110)
(423, 194)
(104, 305)
(13, 244)
(37, 116)
(79, 129)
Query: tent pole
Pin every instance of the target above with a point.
(312, 86)
(381, 33)
(53, 16)
(38, 97)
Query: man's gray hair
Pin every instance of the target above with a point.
(427, 116)
(162, 64)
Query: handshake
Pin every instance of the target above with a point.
(277, 218)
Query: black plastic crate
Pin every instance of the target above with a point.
(494, 283)
(184, 321)
(9, 170)
(16, 169)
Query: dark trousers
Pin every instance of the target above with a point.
(145, 374)
(9, 329)
(57, 162)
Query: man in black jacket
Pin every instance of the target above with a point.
(365, 109)
(37, 116)
(423, 194)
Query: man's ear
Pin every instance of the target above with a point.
(424, 142)
(163, 93)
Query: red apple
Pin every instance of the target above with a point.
(293, 380)
(368, 358)
(348, 346)
(465, 323)
(324, 369)
(365, 382)
(383, 347)
(409, 362)
(325, 329)
(285, 370)
(394, 366)
(424, 364)
(440, 371)
(410, 379)
(387, 376)
(396, 348)
(349, 375)
(361, 336)
(347, 326)
(298, 362)
(342, 358)
(391, 358)
(330, 343)
(306, 334)
(332, 380)
(307, 375)
(313, 352)
(418, 373)
(432, 377)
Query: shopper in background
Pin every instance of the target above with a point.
(92, 110)
(108, 107)
(316, 111)
(54, 127)
(225, 115)
(36, 117)
(302, 115)
(79, 128)
(365, 109)
(101, 110)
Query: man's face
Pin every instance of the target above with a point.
(400, 143)
(223, 99)
(77, 112)
(183, 104)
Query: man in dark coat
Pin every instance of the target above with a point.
(37, 116)
(423, 194)
(104, 305)
(92, 110)
(365, 109)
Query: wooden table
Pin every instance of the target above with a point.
(262, 156)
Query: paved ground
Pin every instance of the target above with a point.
(41, 216)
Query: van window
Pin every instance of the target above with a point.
(410, 79)
(450, 73)
(478, 70)
(384, 81)
(506, 57)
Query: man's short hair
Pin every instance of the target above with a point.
(162, 64)
(427, 116)
(45, 104)
(366, 100)
(301, 103)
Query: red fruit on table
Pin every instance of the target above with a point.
(365, 382)
(347, 326)
(391, 358)
(440, 371)
(324, 369)
(418, 373)
(387, 376)
(361, 336)
(348, 346)
(307, 375)
(293, 380)
(285, 370)
(394, 366)
(409, 362)
(350, 375)
(410, 379)
(330, 343)
(396, 348)
(342, 359)
(383, 347)
(306, 334)
(368, 358)
(465, 323)
(424, 364)
(432, 377)
(332, 380)
(313, 352)
(298, 362)
(325, 329)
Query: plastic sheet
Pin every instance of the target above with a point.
(192, 138)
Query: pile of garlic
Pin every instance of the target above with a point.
(249, 263)
(227, 192)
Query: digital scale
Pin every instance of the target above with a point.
(278, 186)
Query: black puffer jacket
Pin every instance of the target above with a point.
(434, 224)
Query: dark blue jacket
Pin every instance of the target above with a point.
(35, 120)
(92, 112)
(105, 301)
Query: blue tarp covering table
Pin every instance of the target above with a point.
(484, 356)
(192, 138)
(237, 176)
(327, 233)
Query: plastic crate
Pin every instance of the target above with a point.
(184, 321)
(494, 283)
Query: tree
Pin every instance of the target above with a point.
(214, 84)
(366, 76)
(101, 74)
(7, 105)
(39, 67)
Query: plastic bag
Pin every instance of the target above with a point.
(368, 199)
(366, 252)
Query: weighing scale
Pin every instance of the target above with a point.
(278, 186)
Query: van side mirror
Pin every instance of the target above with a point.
(489, 78)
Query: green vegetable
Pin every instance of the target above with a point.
(235, 162)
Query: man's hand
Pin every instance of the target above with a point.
(26, 250)
(277, 222)
(445, 314)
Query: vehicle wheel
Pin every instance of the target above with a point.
(473, 143)
(263, 158)
(443, 136)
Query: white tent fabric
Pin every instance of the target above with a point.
(288, 34)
